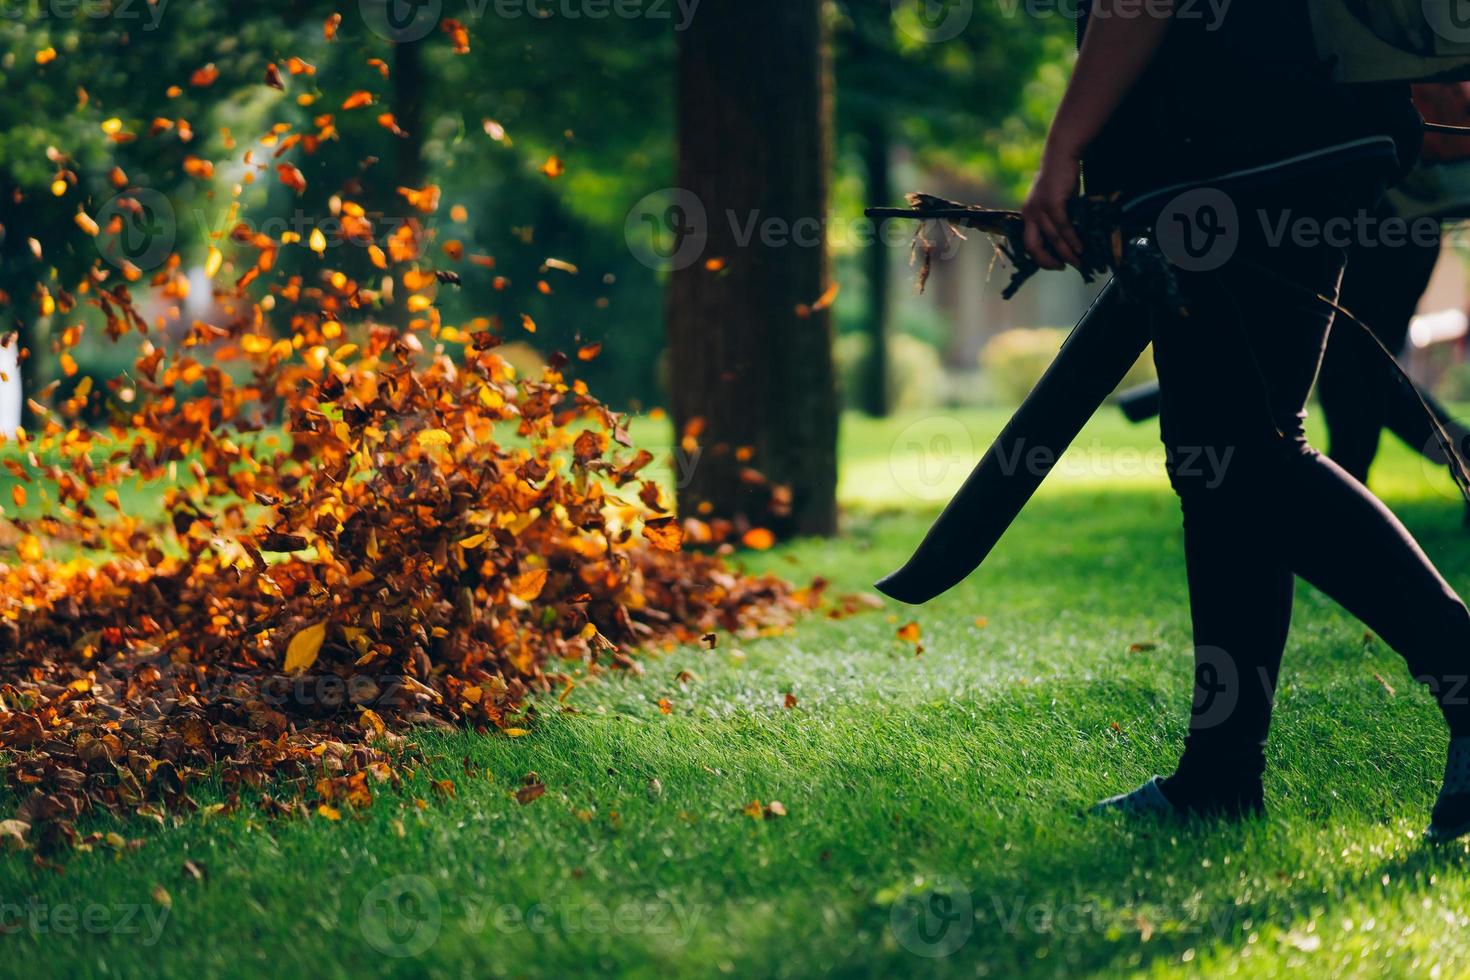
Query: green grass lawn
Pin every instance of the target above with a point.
(933, 801)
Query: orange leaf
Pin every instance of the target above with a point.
(527, 586)
(758, 539)
(664, 534)
(291, 177)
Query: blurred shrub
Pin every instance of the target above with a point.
(915, 372)
(1014, 360)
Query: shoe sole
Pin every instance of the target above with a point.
(1433, 836)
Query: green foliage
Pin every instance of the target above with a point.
(977, 102)
(597, 93)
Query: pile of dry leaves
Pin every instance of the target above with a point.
(369, 526)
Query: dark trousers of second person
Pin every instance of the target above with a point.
(1262, 506)
(1360, 394)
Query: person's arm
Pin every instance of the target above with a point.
(1116, 49)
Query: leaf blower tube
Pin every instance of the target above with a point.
(1092, 362)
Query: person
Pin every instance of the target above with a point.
(10, 395)
(1160, 97)
(1358, 388)
(1360, 395)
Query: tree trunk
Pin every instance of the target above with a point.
(750, 360)
(408, 112)
(409, 79)
(875, 397)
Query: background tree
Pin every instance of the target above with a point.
(956, 94)
(750, 330)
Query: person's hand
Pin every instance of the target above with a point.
(1049, 236)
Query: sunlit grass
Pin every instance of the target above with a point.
(1056, 675)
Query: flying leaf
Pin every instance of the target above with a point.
(758, 539)
(528, 585)
(291, 177)
(664, 534)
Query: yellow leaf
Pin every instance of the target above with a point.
(215, 260)
(517, 732)
(370, 719)
(330, 812)
(434, 437)
(473, 541)
(305, 645)
(29, 548)
(318, 241)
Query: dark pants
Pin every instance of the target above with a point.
(1261, 506)
(1360, 394)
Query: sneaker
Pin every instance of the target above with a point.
(1146, 800)
(1451, 817)
(1151, 799)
